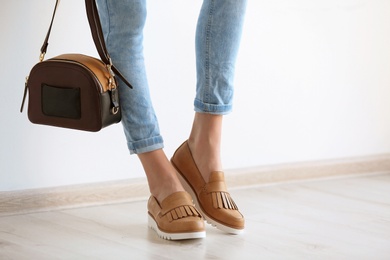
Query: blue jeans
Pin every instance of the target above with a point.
(218, 36)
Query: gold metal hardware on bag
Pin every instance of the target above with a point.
(42, 56)
(111, 84)
(115, 110)
(110, 66)
(111, 80)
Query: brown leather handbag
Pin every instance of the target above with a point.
(74, 90)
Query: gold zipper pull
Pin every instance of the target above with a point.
(24, 95)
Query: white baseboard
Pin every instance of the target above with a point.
(36, 200)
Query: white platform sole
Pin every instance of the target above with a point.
(174, 236)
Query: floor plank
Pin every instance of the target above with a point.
(328, 219)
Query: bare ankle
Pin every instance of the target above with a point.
(205, 143)
(161, 175)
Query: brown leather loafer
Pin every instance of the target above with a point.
(176, 217)
(211, 198)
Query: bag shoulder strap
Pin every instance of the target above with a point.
(46, 42)
(97, 35)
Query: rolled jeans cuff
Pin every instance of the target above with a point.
(214, 109)
(146, 145)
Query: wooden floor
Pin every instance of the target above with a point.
(328, 219)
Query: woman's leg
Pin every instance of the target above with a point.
(205, 143)
(171, 212)
(198, 161)
(217, 42)
(160, 173)
(123, 23)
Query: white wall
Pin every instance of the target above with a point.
(313, 83)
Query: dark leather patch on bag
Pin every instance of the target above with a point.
(61, 102)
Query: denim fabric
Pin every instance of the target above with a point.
(218, 35)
